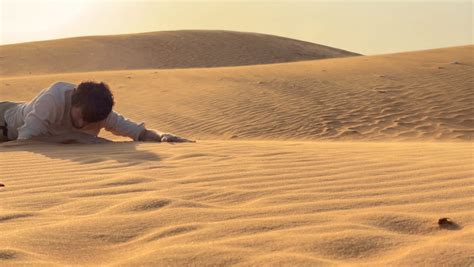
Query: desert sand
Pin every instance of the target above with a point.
(349, 160)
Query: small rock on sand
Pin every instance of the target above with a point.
(447, 223)
(444, 221)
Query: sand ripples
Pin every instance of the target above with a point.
(281, 203)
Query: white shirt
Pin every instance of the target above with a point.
(49, 114)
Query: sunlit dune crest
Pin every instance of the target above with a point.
(163, 50)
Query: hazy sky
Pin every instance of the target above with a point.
(367, 27)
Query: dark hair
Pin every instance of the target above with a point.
(95, 99)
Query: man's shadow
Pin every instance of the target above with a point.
(122, 152)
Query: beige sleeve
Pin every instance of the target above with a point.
(43, 114)
(119, 125)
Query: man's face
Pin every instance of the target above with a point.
(79, 123)
(76, 118)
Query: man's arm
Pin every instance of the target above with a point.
(119, 125)
(43, 114)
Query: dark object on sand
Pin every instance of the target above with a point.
(1, 185)
(447, 223)
(444, 221)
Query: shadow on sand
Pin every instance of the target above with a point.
(123, 152)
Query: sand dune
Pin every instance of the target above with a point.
(165, 49)
(406, 96)
(238, 202)
(334, 162)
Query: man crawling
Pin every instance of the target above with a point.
(70, 113)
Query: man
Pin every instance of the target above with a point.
(66, 113)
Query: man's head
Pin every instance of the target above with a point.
(91, 102)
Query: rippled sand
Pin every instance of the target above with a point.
(347, 161)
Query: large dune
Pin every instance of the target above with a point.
(165, 49)
(345, 161)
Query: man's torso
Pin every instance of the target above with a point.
(61, 92)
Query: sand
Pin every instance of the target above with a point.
(343, 161)
(237, 202)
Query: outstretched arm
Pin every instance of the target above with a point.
(119, 125)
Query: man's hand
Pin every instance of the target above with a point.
(152, 136)
(173, 138)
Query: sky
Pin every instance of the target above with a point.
(366, 27)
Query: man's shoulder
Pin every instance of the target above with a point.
(59, 88)
(57, 91)
(62, 86)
